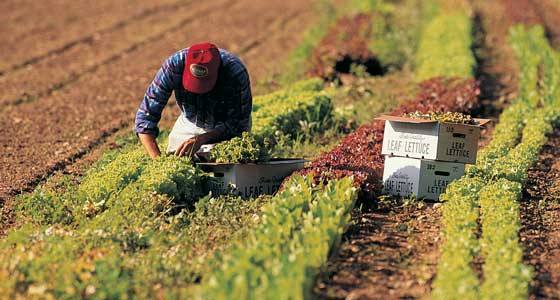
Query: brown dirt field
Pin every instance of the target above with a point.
(46, 75)
(42, 28)
(53, 131)
(540, 221)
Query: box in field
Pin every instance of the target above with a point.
(429, 139)
(404, 176)
(248, 180)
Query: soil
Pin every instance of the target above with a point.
(69, 123)
(33, 31)
(88, 54)
(385, 254)
(540, 221)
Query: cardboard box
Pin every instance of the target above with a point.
(403, 176)
(431, 139)
(249, 180)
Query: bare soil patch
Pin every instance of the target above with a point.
(32, 31)
(540, 220)
(385, 254)
(45, 76)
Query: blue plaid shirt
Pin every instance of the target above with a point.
(227, 108)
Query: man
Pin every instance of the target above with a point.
(213, 92)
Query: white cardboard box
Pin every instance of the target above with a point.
(433, 140)
(249, 180)
(403, 176)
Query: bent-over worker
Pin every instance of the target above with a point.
(212, 91)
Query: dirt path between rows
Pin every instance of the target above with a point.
(53, 132)
(540, 221)
(386, 254)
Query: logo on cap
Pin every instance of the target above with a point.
(198, 71)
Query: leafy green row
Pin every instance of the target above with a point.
(285, 110)
(455, 278)
(444, 48)
(505, 275)
(517, 140)
(62, 261)
(281, 258)
(506, 135)
(45, 206)
(518, 160)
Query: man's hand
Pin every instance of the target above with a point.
(150, 144)
(189, 147)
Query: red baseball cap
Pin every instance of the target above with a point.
(201, 68)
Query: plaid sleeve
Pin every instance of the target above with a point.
(239, 106)
(156, 97)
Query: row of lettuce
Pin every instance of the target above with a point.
(490, 192)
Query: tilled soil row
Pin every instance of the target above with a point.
(540, 221)
(386, 254)
(35, 150)
(521, 11)
(47, 76)
(45, 28)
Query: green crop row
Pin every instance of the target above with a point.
(281, 259)
(455, 278)
(505, 275)
(445, 47)
(45, 207)
(285, 110)
(62, 261)
(503, 167)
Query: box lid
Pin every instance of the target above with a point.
(480, 122)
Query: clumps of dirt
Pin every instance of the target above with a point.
(385, 254)
(521, 11)
(345, 45)
(540, 221)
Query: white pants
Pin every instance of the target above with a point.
(184, 130)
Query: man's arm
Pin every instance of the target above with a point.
(191, 146)
(150, 144)
(152, 105)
